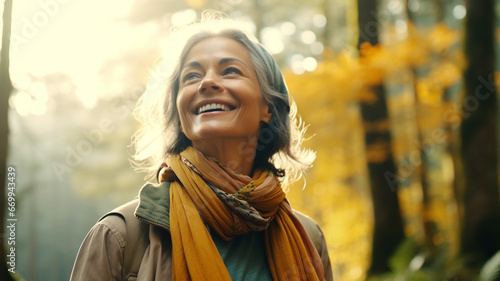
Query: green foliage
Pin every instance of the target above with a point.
(491, 269)
(414, 262)
(404, 255)
(16, 277)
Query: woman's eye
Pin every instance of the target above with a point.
(231, 70)
(190, 76)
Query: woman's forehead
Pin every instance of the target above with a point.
(220, 48)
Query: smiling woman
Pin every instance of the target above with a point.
(219, 133)
(218, 74)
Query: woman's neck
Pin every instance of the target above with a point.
(234, 153)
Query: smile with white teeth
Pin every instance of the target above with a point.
(213, 107)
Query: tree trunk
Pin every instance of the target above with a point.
(388, 228)
(481, 222)
(5, 90)
(438, 193)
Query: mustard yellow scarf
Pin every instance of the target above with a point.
(202, 191)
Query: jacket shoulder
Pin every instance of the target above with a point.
(100, 256)
(312, 229)
(136, 233)
(125, 211)
(318, 239)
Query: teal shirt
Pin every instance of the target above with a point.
(244, 256)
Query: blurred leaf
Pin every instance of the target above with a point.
(403, 255)
(491, 269)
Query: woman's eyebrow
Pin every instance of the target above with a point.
(221, 62)
(192, 64)
(226, 60)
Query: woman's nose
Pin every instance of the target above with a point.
(209, 83)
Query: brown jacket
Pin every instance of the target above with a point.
(101, 255)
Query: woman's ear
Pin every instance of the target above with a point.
(267, 114)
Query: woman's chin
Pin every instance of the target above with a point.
(216, 131)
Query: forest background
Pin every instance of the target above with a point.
(400, 95)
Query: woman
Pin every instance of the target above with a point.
(222, 139)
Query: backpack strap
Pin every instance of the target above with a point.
(137, 239)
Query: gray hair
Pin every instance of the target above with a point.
(279, 146)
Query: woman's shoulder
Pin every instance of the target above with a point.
(101, 253)
(110, 226)
(307, 221)
(114, 224)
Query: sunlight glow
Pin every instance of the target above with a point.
(20, 80)
(39, 90)
(297, 65)
(111, 8)
(310, 64)
(87, 94)
(308, 37)
(395, 7)
(70, 37)
(21, 102)
(25, 104)
(183, 17)
(401, 26)
(459, 11)
(248, 24)
(319, 20)
(38, 108)
(413, 5)
(287, 28)
(275, 47)
(317, 48)
(271, 39)
(32, 97)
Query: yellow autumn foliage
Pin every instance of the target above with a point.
(337, 192)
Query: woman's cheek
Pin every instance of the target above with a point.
(185, 123)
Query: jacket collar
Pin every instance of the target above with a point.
(154, 204)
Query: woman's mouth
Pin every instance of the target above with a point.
(212, 107)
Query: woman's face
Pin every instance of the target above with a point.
(219, 94)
